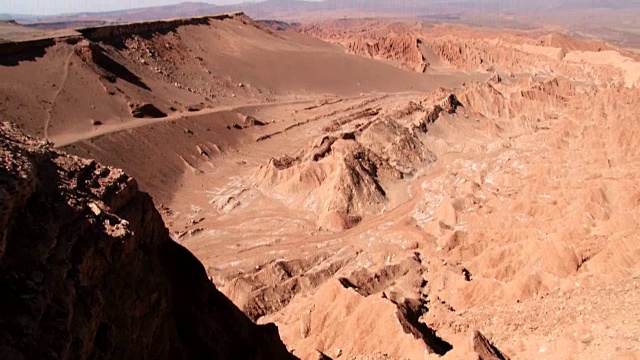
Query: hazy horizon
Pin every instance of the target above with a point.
(47, 7)
(28, 8)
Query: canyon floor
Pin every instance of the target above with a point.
(378, 189)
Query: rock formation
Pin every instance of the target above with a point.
(401, 48)
(338, 175)
(88, 270)
(391, 42)
(483, 347)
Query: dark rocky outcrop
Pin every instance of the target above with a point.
(100, 33)
(251, 121)
(12, 53)
(484, 349)
(449, 105)
(146, 111)
(96, 58)
(88, 270)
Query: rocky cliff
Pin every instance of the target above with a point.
(161, 26)
(88, 270)
(394, 42)
(19, 50)
(403, 49)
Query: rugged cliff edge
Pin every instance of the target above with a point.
(88, 270)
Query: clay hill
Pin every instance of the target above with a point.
(376, 188)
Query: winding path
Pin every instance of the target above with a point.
(65, 76)
(132, 123)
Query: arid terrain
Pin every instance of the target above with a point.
(383, 188)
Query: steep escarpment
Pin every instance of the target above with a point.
(12, 52)
(102, 33)
(445, 47)
(109, 32)
(392, 42)
(88, 270)
(399, 48)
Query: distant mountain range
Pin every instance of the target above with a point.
(6, 17)
(614, 20)
(288, 9)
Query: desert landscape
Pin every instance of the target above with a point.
(277, 184)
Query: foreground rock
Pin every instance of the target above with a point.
(483, 347)
(88, 270)
(346, 325)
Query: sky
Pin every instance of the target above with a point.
(52, 7)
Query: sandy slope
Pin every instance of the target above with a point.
(203, 65)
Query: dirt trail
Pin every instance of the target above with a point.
(65, 76)
(132, 123)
